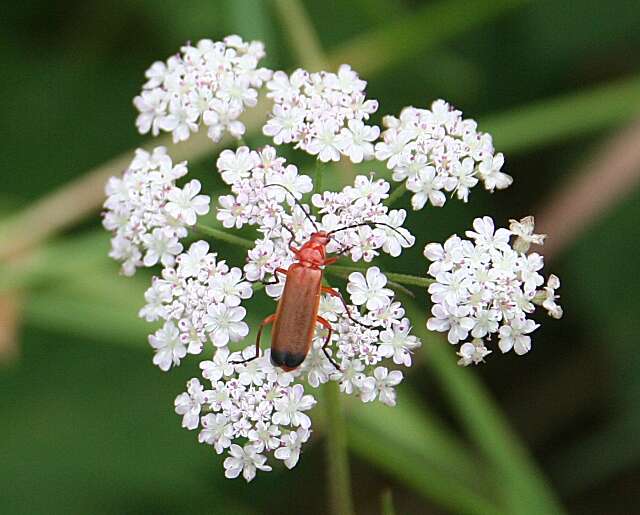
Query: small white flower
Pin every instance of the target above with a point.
(325, 142)
(398, 343)
(356, 140)
(230, 288)
(191, 263)
(489, 171)
(219, 367)
(246, 460)
(224, 324)
(169, 348)
(265, 436)
(189, 404)
(515, 335)
(381, 385)
(426, 186)
(162, 246)
(236, 165)
(369, 290)
(461, 178)
(185, 204)
(290, 408)
(217, 431)
(289, 453)
(156, 297)
(485, 236)
(472, 352)
(523, 230)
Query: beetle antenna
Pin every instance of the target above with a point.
(297, 202)
(372, 224)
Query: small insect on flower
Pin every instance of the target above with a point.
(297, 312)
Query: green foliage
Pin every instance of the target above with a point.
(87, 425)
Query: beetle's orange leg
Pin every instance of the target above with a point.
(336, 293)
(269, 320)
(325, 323)
(275, 279)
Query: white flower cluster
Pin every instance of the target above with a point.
(211, 82)
(273, 210)
(198, 299)
(252, 408)
(283, 222)
(437, 150)
(254, 404)
(324, 113)
(148, 213)
(489, 286)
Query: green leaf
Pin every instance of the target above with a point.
(411, 444)
(521, 483)
(406, 37)
(564, 117)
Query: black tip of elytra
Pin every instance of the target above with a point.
(285, 359)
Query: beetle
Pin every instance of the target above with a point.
(297, 313)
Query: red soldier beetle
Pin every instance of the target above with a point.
(297, 313)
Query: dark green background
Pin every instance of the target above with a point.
(86, 422)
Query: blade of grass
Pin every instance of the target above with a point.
(417, 474)
(305, 43)
(566, 116)
(524, 488)
(411, 426)
(386, 503)
(410, 35)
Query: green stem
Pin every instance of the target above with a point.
(221, 235)
(386, 503)
(317, 183)
(409, 280)
(302, 34)
(396, 194)
(339, 479)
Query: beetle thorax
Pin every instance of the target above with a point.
(314, 252)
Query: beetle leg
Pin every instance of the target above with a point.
(325, 323)
(266, 321)
(335, 293)
(275, 279)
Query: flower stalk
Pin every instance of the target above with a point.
(221, 235)
(396, 194)
(406, 279)
(338, 473)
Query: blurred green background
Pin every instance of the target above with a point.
(86, 421)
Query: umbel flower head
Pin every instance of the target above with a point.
(246, 407)
(323, 113)
(210, 83)
(436, 151)
(147, 213)
(487, 286)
